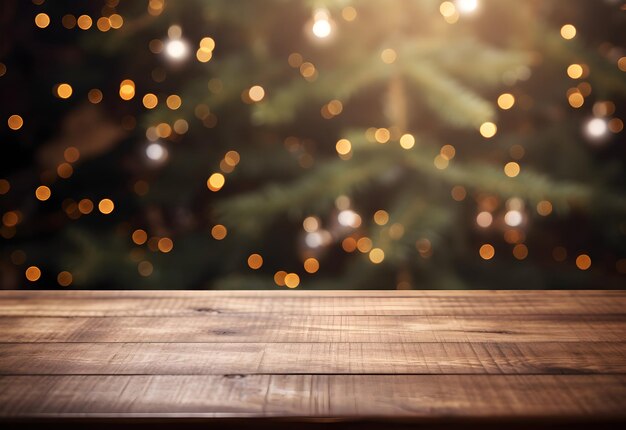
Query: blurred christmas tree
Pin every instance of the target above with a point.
(321, 144)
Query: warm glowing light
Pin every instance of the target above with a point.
(173, 102)
(42, 20)
(33, 273)
(127, 89)
(575, 99)
(487, 252)
(5, 186)
(458, 193)
(484, 219)
(520, 251)
(382, 135)
(256, 93)
(544, 208)
(139, 236)
(292, 280)
(583, 262)
(349, 244)
(165, 244)
(447, 9)
(311, 224)
(116, 21)
(65, 170)
(145, 268)
(216, 181)
(441, 162)
(104, 24)
(447, 151)
(106, 206)
(513, 218)
(84, 22)
(64, 278)
(488, 129)
(255, 261)
(71, 154)
(506, 101)
(311, 265)
(574, 71)
(407, 141)
(511, 169)
(381, 217)
(349, 218)
(94, 96)
(15, 122)
(364, 244)
(349, 13)
(156, 152)
(219, 232)
(388, 56)
(85, 206)
(343, 146)
(322, 26)
(596, 128)
(176, 49)
(68, 21)
(279, 278)
(150, 101)
(568, 31)
(466, 6)
(64, 91)
(377, 255)
(42, 193)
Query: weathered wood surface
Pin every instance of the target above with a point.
(414, 355)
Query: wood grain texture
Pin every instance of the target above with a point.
(314, 328)
(415, 355)
(314, 395)
(428, 303)
(313, 358)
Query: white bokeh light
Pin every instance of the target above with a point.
(156, 152)
(176, 49)
(349, 218)
(466, 6)
(321, 28)
(596, 128)
(513, 218)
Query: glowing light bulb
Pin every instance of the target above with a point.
(513, 218)
(466, 6)
(176, 49)
(349, 218)
(596, 128)
(322, 26)
(156, 152)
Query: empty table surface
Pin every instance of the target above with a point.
(346, 358)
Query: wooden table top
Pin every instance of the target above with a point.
(330, 357)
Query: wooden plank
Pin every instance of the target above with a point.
(107, 304)
(294, 328)
(277, 293)
(312, 358)
(315, 395)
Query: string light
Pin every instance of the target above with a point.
(322, 25)
(466, 6)
(596, 128)
(349, 218)
(176, 48)
(156, 152)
